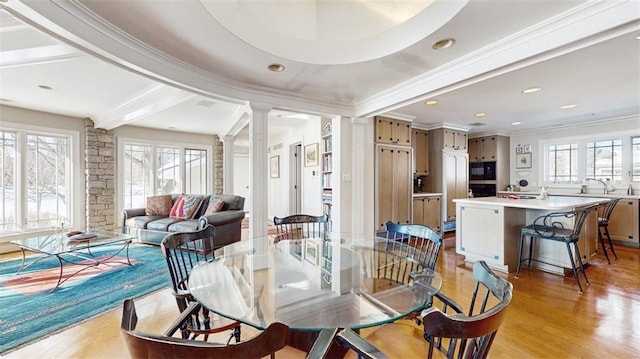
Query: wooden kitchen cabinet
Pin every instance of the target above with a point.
(483, 149)
(394, 185)
(455, 140)
(427, 211)
(420, 143)
(392, 131)
(456, 181)
(624, 222)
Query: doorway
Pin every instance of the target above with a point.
(295, 198)
(240, 179)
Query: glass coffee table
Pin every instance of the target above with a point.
(76, 251)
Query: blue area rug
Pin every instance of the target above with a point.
(29, 310)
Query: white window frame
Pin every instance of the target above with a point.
(74, 204)
(122, 141)
(582, 141)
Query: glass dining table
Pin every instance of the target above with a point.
(341, 280)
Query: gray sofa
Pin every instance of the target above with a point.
(152, 229)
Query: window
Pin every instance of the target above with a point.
(635, 155)
(138, 184)
(562, 163)
(8, 205)
(168, 171)
(604, 160)
(41, 200)
(195, 171)
(152, 169)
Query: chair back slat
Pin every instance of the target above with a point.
(415, 241)
(300, 226)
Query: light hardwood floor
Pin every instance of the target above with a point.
(547, 317)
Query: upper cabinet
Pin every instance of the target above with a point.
(420, 143)
(454, 140)
(483, 149)
(391, 131)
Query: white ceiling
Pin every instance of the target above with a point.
(172, 65)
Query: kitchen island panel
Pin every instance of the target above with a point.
(489, 233)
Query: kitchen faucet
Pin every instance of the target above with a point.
(606, 190)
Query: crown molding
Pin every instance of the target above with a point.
(595, 20)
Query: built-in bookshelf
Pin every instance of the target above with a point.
(327, 198)
(327, 169)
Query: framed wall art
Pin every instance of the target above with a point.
(311, 155)
(274, 167)
(312, 252)
(523, 160)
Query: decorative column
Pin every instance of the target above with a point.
(227, 164)
(359, 135)
(258, 158)
(100, 169)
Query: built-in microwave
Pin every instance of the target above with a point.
(482, 171)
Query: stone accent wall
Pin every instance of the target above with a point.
(99, 155)
(218, 166)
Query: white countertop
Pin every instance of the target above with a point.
(594, 195)
(560, 203)
(426, 194)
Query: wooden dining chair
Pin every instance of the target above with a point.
(300, 226)
(270, 342)
(182, 251)
(447, 328)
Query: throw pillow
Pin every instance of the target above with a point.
(215, 205)
(186, 206)
(158, 205)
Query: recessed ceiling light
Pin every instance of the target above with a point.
(431, 102)
(638, 37)
(531, 90)
(568, 106)
(443, 44)
(45, 87)
(516, 123)
(480, 114)
(276, 67)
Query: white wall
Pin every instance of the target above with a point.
(308, 133)
(623, 128)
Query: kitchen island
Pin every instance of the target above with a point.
(488, 229)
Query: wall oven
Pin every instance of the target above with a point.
(482, 171)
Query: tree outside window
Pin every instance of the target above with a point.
(562, 163)
(604, 160)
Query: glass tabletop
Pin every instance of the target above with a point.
(58, 243)
(315, 283)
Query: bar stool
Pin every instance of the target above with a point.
(549, 227)
(604, 214)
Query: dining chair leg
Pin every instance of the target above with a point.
(606, 231)
(604, 246)
(520, 245)
(531, 239)
(581, 264)
(573, 265)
